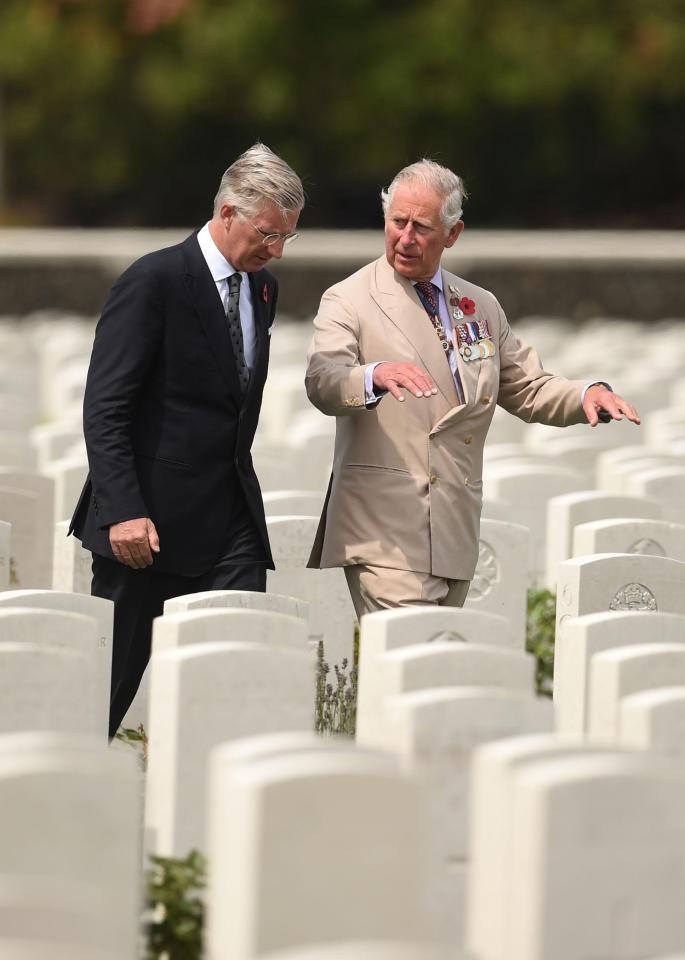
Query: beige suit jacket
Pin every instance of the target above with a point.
(406, 487)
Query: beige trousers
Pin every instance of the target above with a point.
(381, 588)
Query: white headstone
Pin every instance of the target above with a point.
(42, 526)
(439, 664)
(293, 503)
(16, 451)
(72, 567)
(18, 508)
(331, 614)
(657, 538)
(598, 852)
(217, 626)
(492, 871)
(52, 440)
(654, 720)
(239, 600)
(564, 513)
(5, 534)
(69, 850)
(202, 695)
(617, 673)
(97, 607)
(582, 638)
(527, 490)
(666, 484)
(45, 688)
(297, 809)
(618, 582)
(500, 582)
(69, 475)
(68, 631)
(433, 733)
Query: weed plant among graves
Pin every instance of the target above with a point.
(336, 706)
(540, 625)
(176, 912)
(136, 738)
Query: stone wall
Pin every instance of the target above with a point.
(575, 274)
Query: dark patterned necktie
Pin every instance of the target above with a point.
(235, 330)
(428, 295)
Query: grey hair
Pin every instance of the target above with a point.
(431, 174)
(259, 176)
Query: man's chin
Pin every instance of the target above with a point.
(407, 266)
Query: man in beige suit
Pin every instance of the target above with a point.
(403, 508)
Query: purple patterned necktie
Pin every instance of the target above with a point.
(235, 330)
(428, 295)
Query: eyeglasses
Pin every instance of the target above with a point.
(269, 238)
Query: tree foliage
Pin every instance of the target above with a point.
(554, 113)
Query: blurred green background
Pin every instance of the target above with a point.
(563, 113)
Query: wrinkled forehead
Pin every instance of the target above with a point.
(415, 201)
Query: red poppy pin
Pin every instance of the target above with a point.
(265, 293)
(468, 306)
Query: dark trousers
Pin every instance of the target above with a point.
(139, 596)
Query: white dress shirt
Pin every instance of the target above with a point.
(221, 270)
(371, 397)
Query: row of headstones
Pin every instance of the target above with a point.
(575, 852)
(579, 524)
(440, 700)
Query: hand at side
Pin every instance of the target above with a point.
(134, 541)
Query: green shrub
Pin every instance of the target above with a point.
(176, 910)
(540, 625)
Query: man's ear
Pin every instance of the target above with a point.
(227, 212)
(454, 233)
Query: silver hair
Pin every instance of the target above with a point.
(257, 177)
(431, 174)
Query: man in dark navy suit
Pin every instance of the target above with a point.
(172, 504)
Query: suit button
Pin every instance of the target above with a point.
(468, 438)
(433, 478)
(466, 481)
(486, 400)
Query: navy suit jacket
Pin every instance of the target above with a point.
(167, 431)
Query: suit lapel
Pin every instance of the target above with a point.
(205, 301)
(399, 301)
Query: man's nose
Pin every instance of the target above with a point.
(276, 248)
(408, 235)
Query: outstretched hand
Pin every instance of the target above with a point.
(134, 541)
(600, 400)
(394, 376)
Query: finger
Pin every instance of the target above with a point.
(419, 385)
(423, 382)
(394, 390)
(152, 536)
(140, 552)
(591, 413)
(631, 413)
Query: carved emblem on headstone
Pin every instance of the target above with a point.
(446, 636)
(487, 572)
(648, 547)
(634, 596)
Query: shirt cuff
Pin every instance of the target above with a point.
(371, 398)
